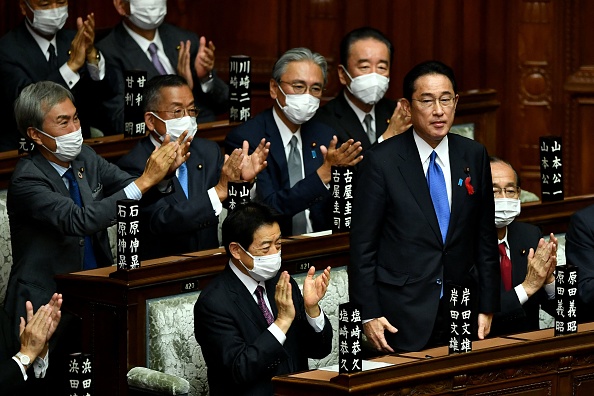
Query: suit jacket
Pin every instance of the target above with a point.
(398, 259)
(123, 53)
(172, 223)
(241, 355)
(338, 115)
(273, 186)
(22, 63)
(579, 251)
(47, 228)
(514, 317)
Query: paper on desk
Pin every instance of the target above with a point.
(367, 365)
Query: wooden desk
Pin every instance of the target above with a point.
(525, 364)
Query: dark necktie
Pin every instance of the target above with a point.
(295, 174)
(505, 263)
(439, 195)
(89, 261)
(53, 58)
(262, 305)
(155, 59)
(368, 121)
(182, 177)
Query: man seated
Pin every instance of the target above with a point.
(297, 178)
(527, 262)
(252, 321)
(360, 111)
(62, 197)
(143, 42)
(32, 345)
(186, 219)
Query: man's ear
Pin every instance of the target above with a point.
(122, 7)
(405, 105)
(34, 135)
(149, 120)
(235, 250)
(273, 86)
(342, 76)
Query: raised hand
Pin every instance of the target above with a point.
(205, 59)
(399, 122)
(284, 302)
(183, 63)
(158, 165)
(256, 162)
(348, 154)
(230, 172)
(314, 289)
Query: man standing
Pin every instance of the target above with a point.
(63, 196)
(297, 178)
(526, 261)
(143, 42)
(422, 222)
(185, 219)
(361, 112)
(252, 321)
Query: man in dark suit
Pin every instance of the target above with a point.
(579, 251)
(413, 237)
(527, 262)
(128, 47)
(186, 219)
(297, 178)
(29, 350)
(360, 111)
(40, 50)
(62, 197)
(252, 321)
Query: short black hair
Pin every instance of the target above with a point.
(423, 69)
(153, 87)
(362, 33)
(493, 160)
(242, 223)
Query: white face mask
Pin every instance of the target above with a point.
(177, 126)
(67, 146)
(147, 14)
(265, 267)
(506, 210)
(368, 88)
(49, 21)
(299, 108)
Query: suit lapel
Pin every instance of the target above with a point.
(35, 58)
(43, 164)
(133, 51)
(170, 46)
(312, 156)
(349, 121)
(518, 252)
(458, 165)
(78, 168)
(244, 300)
(277, 149)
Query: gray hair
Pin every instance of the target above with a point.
(298, 55)
(35, 101)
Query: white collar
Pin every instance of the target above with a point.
(425, 149)
(285, 133)
(144, 43)
(42, 42)
(358, 112)
(247, 280)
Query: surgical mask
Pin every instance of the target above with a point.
(265, 267)
(506, 210)
(368, 88)
(147, 16)
(49, 21)
(67, 146)
(175, 127)
(299, 108)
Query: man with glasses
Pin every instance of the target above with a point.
(423, 222)
(526, 261)
(302, 152)
(185, 219)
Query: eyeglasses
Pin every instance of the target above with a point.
(507, 192)
(300, 88)
(444, 101)
(179, 113)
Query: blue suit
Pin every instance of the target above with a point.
(273, 187)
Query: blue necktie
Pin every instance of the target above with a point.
(89, 261)
(439, 195)
(155, 59)
(182, 177)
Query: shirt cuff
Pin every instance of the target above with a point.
(97, 72)
(207, 86)
(21, 366)
(40, 366)
(317, 323)
(133, 192)
(69, 76)
(380, 138)
(215, 202)
(550, 289)
(277, 333)
(521, 293)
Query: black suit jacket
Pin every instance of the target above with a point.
(398, 259)
(338, 115)
(11, 378)
(514, 317)
(22, 63)
(171, 223)
(273, 186)
(123, 53)
(241, 355)
(579, 251)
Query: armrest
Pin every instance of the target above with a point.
(156, 382)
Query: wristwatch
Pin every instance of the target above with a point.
(24, 359)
